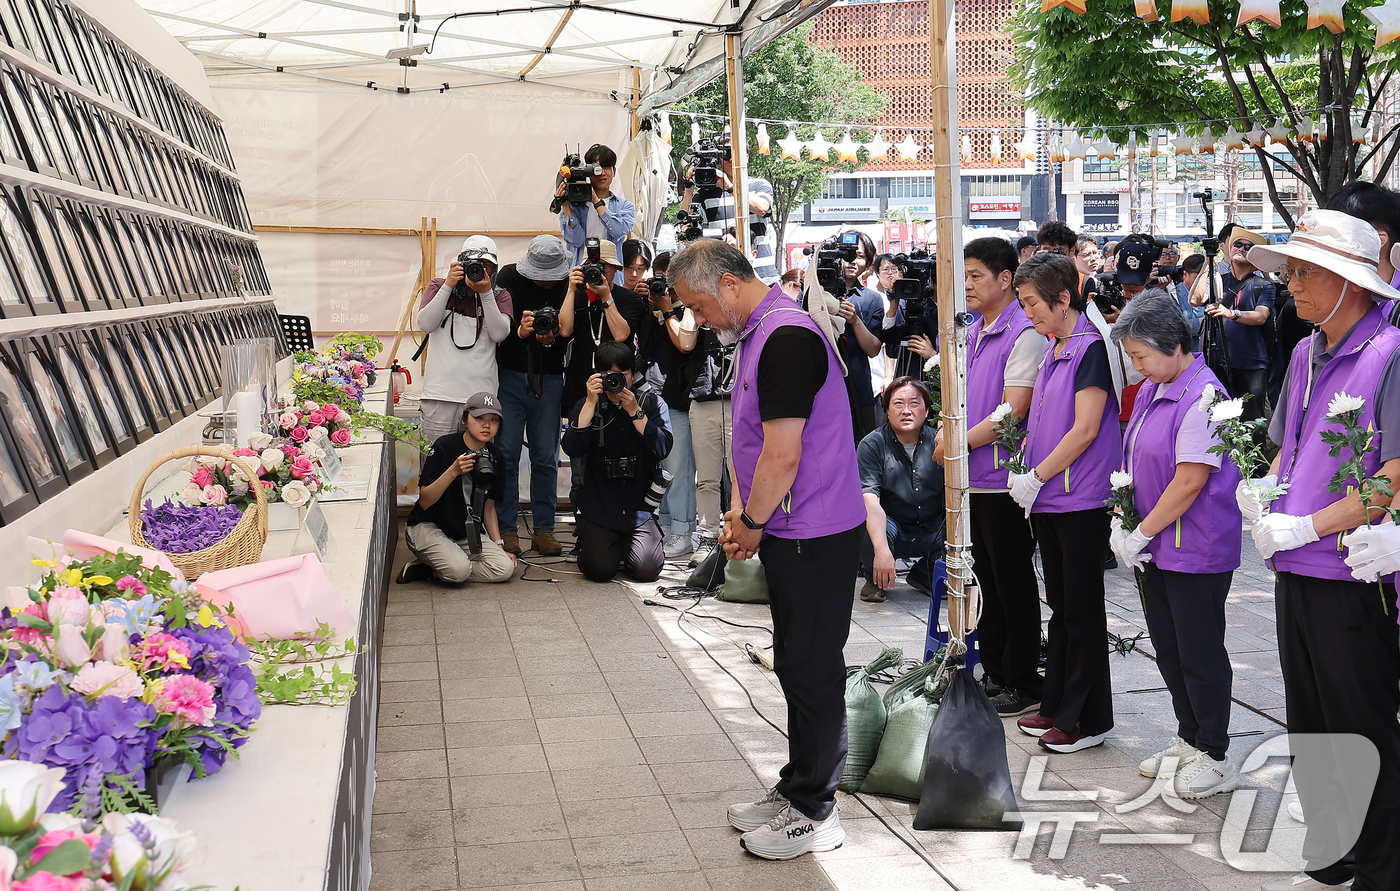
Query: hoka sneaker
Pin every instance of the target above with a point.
(757, 814)
(790, 835)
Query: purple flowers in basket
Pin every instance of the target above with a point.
(177, 528)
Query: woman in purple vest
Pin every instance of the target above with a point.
(1336, 635)
(1187, 546)
(1072, 444)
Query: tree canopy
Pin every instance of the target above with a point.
(1110, 71)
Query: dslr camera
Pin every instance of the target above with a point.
(1109, 297)
(473, 267)
(545, 321)
(594, 272)
(484, 472)
(463, 299)
(614, 382)
(657, 286)
(916, 289)
(832, 254)
(706, 155)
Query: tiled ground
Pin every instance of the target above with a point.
(551, 733)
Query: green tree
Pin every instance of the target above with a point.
(1109, 70)
(789, 79)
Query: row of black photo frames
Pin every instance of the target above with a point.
(72, 401)
(66, 256)
(58, 134)
(62, 38)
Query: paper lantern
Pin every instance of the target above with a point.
(1195, 10)
(1105, 150)
(995, 149)
(1326, 13)
(847, 150)
(1256, 136)
(1259, 10)
(664, 127)
(1231, 140)
(763, 147)
(1145, 10)
(1279, 132)
(1026, 148)
(1183, 145)
(819, 147)
(908, 149)
(1207, 142)
(1076, 149)
(1152, 146)
(1057, 150)
(878, 147)
(1129, 150)
(965, 144)
(1386, 18)
(1077, 7)
(1306, 133)
(1359, 130)
(791, 145)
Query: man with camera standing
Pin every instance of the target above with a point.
(606, 216)
(717, 198)
(1246, 302)
(452, 531)
(619, 434)
(468, 315)
(862, 309)
(531, 368)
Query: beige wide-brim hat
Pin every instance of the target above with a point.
(1335, 241)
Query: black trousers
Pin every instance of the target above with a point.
(1003, 552)
(1077, 690)
(1253, 381)
(603, 551)
(1186, 618)
(810, 585)
(1341, 674)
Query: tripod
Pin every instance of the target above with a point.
(1214, 349)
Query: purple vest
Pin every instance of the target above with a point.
(1206, 538)
(826, 496)
(1303, 460)
(987, 352)
(1084, 484)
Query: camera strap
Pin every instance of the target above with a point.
(451, 323)
(476, 508)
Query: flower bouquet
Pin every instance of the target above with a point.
(1010, 432)
(42, 851)
(111, 667)
(338, 375)
(1122, 500)
(1239, 439)
(308, 421)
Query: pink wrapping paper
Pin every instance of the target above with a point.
(85, 546)
(280, 598)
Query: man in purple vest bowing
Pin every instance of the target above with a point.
(797, 504)
(1336, 635)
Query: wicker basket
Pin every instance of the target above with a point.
(240, 547)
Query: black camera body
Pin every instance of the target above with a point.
(484, 472)
(545, 321)
(690, 223)
(832, 254)
(473, 267)
(916, 289)
(614, 382)
(593, 270)
(623, 468)
(579, 190)
(706, 155)
(657, 286)
(1109, 296)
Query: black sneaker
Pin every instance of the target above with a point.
(572, 555)
(1110, 562)
(921, 581)
(413, 571)
(1011, 703)
(992, 687)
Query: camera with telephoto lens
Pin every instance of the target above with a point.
(832, 254)
(593, 271)
(545, 321)
(484, 472)
(657, 286)
(614, 382)
(660, 482)
(916, 289)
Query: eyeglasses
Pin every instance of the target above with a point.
(1242, 244)
(1302, 274)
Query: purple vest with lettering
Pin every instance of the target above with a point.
(1206, 538)
(825, 497)
(1084, 484)
(987, 352)
(1303, 460)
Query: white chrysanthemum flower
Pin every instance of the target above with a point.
(932, 362)
(1207, 397)
(1343, 403)
(1120, 479)
(999, 413)
(1231, 410)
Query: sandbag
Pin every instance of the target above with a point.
(899, 768)
(911, 683)
(967, 781)
(744, 582)
(865, 719)
(709, 575)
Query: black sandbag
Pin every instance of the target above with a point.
(709, 575)
(967, 782)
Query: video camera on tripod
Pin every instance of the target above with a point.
(831, 255)
(706, 155)
(917, 289)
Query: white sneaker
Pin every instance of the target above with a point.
(757, 814)
(1178, 748)
(677, 545)
(1301, 882)
(1295, 810)
(790, 835)
(1202, 777)
(703, 550)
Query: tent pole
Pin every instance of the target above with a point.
(418, 287)
(952, 314)
(636, 100)
(431, 267)
(738, 135)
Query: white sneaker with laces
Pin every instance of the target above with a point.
(677, 545)
(790, 835)
(757, 814)
(1178, 748)
(1301, 882)
(1202, 777)
(703, 550)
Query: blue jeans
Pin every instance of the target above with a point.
(904, 540)
(679, 503)
(541, 419)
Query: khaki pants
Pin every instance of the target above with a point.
(441, 418)
(710, 436)
(450, 561)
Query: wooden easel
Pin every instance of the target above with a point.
(427, 243)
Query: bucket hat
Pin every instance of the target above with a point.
(1334, 241)
(546, 259)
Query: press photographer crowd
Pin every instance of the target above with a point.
(1126, 405)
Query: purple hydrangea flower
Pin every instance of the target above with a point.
(219, 658)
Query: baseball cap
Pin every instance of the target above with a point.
(483, 403)
(480, 246)
(1024, 242)
(1134, 262)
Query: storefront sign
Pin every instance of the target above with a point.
(845, 210)
(1001, 209)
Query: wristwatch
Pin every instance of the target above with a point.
(600, 206)
(607, 303)
(748, 521)
(1237, 315)
(641, 413)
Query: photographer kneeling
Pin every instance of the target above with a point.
(624, 435)
(452, 530)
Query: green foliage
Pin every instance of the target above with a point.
(286, 675)
(395, 428)
(1010, 434)
(790, 80)
(1109, 70)
(371, 345)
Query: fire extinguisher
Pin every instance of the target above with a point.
(399, 379)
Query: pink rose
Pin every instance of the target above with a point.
(56, 837)
(44, 881)
(316, 419)
(68, 606)
(309, 406)
(245, 453)
(302, 467)
(70, 649)
(202, 477)
(291, 451)
(341, 437)
(114, 644)
(215, 495)
(299, 434)
(288, 420)
(269, 485)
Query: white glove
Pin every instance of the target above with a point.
(1373, 551)
(1130, 547)
(1024, 488)
(1282, 532)
(1247, 497)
